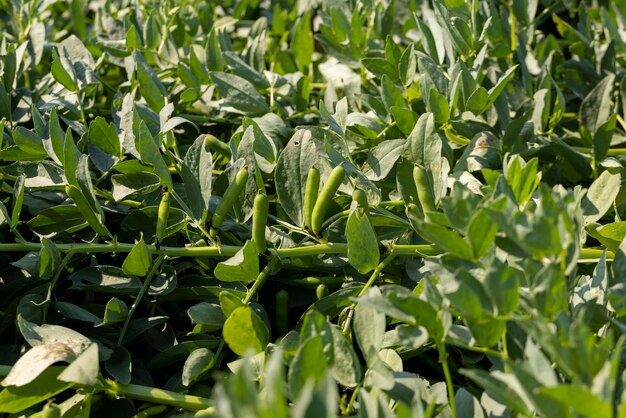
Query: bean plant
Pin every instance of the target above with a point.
(312, 208)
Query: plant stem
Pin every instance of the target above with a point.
(443, 357)
(144, 393)
(587, 255)
(142, 292)
(53, 283)
(261, 279)
(375, 274)
(157, 396)
(612, 152)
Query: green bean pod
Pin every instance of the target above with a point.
(162, 217)
(51, 411)
(230, 195)
(282, 312)
(92, 219)
(321, 291)
(259, 222)
(414, 214)
(425, 191)
(310, 195)
(217, 146)
(360, 198)
(325, 197)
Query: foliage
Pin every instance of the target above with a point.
(177, 240)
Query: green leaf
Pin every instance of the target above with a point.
(522, 177)
(214, 57)
(481, 233)
(60, 74)
(477, 101)
(302, 44)
(404, 118)
(391, 95)
(596, 108)
(294, 162)
(438, 105)
(423, 145)
(382, 159)
(579, 399)
(229, 302)
(150, 86)
(104, 136)
(133, 185)
(240, 94)
(84, 369)
(198, 363)
(71, 158)
(150, 154)
(308, 364)
(18, 200)
(115, 311)
(16, 399)
(133, 40)
(446, 239)
(407, 65)
(363, 252)
(346, 368)
(209, 315)
(467, 405)
(35, 361)
(600, 196)
(138, 261)
(57, 138)
(602, 138)
(497, 89)
(119, 366)
(56, 220)
(29, 142)
(500, 390)
(380, 67)
(369, 327)
(242, 267)
(245, 330)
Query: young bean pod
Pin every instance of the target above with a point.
(259, 222)
(162, 217)
(321, 291)
(325, 197)
(230, 195)
(51, 411)
(425, 191)
(282, 312)
(217, 146)
(360, 198)
(310, 195)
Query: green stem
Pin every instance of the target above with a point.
(482, 350)
(144, 393)
(333, 218)
(375, 274)
(421, 250)
(53, 283)
(261, 279)
(328, 248)
(155, 267)
(513, 30)
(443, 357)
(157, 396)
(587, 255)
(612, 152)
